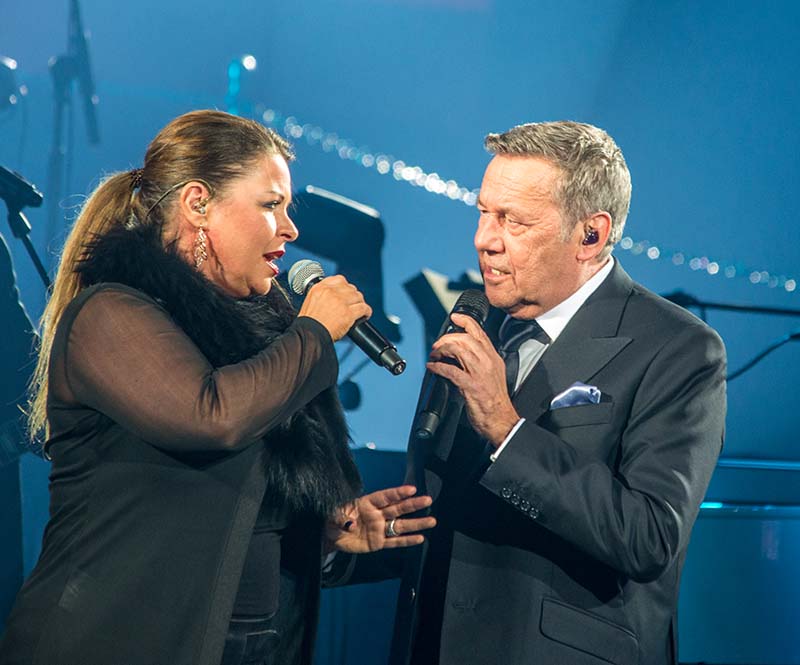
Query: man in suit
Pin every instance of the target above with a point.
(567, 490)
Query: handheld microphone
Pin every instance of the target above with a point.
(435, 389)
(304, 274)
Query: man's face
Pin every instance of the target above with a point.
(527, 267)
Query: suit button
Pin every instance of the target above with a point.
(524, 505)
(515, 499)
(505, 492)
(533, 512)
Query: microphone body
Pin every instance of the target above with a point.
(435, 393)
(304, 274)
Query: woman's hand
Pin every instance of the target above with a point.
(362, 526)
(336, 304)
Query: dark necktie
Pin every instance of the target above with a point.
(513, 333)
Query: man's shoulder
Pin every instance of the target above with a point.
(650, 312)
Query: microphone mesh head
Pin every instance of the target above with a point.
(473, 303)
(302, 273)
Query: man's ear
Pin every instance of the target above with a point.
(593, 234)
(193, 202)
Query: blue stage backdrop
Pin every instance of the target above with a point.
(702, 97)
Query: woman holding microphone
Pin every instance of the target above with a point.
(198, 447)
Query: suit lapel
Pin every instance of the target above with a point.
(586, 345)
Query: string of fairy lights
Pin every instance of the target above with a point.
(386, 164)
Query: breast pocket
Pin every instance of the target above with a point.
(575, 416)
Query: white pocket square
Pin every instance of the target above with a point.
(578, 393)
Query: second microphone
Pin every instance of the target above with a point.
(435, 393)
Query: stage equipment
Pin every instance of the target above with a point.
(18, 193)
(65, 69)
(688, 301)
(351, 235)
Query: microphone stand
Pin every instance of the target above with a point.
(686, 300)
(63, 70)
(17, 194)
(21, 228)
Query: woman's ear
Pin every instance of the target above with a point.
(193, 203)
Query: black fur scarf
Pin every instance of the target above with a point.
(310, 466)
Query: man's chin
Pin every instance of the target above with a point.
(514, 307)
(499, 298)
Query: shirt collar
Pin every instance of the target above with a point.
(555, 320)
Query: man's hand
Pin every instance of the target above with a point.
(481, 379)
(362, 526)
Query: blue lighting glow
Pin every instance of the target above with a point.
(433, 183)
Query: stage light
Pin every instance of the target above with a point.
(470, 198)
(245, 62)
(8, 84)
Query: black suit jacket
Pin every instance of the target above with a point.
(568, 549)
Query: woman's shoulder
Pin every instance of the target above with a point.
(100, 318)
(109, 292)
(108, 304)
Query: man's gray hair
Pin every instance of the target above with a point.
(594, 176)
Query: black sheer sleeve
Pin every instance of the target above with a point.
(122, 355)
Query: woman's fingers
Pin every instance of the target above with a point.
(390, 496)
(406, 506)
(336, 304)
(403, 541)
(407, 531)
(413, 525)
